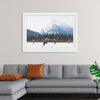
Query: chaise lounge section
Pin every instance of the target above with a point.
(12, 90)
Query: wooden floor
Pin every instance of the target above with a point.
(59, 97)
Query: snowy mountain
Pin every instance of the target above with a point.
(32, 33)
(42, 32)
(55, 29)
(60, 29)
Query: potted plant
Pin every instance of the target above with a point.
(94, 70)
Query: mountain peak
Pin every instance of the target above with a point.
(60, 29)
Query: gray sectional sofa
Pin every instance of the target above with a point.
(57, 79)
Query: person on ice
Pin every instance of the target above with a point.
(45, 41)
(33, 41)
(55, 42)
(68, 41)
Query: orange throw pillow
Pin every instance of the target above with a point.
(35, 71)
(10, 77)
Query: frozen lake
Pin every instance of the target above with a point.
(49, 45)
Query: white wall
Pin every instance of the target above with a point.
(11, 31)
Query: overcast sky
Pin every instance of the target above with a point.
(37, 23)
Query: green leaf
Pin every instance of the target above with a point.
(95, 72)
(93, 67)
(98, 75)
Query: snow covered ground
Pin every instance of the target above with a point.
(49, 45)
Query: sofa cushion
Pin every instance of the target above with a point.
(45, 71)
(10, 68)
(54, 71)
(70, 71)
(61, 83)
(22, 69)
(10, 87)
(15, 96)
(84, 71)
(62, 90)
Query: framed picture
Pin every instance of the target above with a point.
(49, 32)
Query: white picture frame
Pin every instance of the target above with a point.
(38, 21)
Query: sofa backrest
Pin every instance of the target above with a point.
(52, 71)
(76, 71)
(49, 71)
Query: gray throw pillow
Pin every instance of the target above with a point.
(54, 71)
(70, 71)
(23, 69)
(10, 68)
